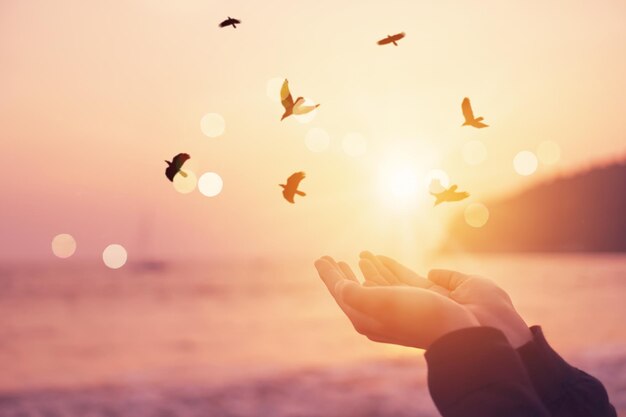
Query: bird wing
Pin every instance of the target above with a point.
(300, 108)
(452, 188)
(288, 195)
(294, 180)
(229, 21)
(397, 37)
(170, 172)
(179, 160)
(467, 109)
(285, 96)
(439, 198)
(385, 41)
(461, 196)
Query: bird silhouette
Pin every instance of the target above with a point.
(175, 166)
(290, 107)
(391, 39)
(230, 22)
(449, 195)
(469, 115)
(291, 188)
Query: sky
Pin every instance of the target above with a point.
(94, 96)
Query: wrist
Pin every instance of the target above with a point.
(519, 337)
(460, 323)
(515, 329)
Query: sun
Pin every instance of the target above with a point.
(399, 182)
(405, 178)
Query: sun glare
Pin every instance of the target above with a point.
(407, 174)
(401, 182)
(114, 256)
(212, 125)
(210, 184)
(185, 183)
(476, 215)
(63, 245)
(525, 163)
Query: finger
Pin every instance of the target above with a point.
(410, 277)
(371, 273)
(404, 274)
(334, 263)
(382, 269)
(347, 272)
(366, 300)
(446, 278)
(329, 274)
(332, 278)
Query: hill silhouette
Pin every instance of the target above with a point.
(585, 212)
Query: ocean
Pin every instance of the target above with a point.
(261, 338)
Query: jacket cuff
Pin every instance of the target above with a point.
(468, 360)
(548, 372)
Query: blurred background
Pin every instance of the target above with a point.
(122, 293)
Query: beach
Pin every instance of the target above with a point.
(259, 338)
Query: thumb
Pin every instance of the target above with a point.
(446, 278)
(366, 300)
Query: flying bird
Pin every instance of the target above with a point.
(291, 188)
(290, 107)
(391, 39)
(176, 165)
(469, 115)
(449, 195)
(230, 22)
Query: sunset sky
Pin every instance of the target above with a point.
(95, 95)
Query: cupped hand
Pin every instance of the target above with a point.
(402, 315)
(490, 304)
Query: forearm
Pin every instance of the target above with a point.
(476, 372)
(563, 389)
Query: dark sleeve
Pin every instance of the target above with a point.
(563, 389)
(476, 373)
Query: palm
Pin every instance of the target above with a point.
(490, 304)
(408, 316)
(381, 270)
(402, 315)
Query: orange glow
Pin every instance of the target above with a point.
(187, 296)
(476, 215)
(549, 152)
(98, 131)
